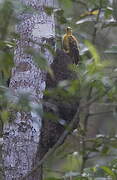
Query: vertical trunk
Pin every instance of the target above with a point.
(23, 134)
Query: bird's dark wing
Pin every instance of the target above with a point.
(74, 51)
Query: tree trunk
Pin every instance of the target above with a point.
(21, 137)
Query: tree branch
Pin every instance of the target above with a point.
(84, 158)
(76, 119)
(96, 22)
(64, 135)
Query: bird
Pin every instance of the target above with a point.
(70, 45)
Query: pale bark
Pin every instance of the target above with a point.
(22, 135)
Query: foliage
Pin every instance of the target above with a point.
(93, 84)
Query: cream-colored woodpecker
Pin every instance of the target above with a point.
(70, 45)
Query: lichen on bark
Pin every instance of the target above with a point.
(21, 137)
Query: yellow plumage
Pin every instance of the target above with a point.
(70, 45)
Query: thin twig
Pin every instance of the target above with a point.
(85, 130)
(96, 22)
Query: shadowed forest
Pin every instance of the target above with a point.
(78, 136)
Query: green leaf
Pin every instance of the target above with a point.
(60, 16)
(74, 87)
(114, 163)
(108, 171)
(108, 12)
(61, 19)
(48, 10)
(112, 94)
(6, 62)
(105, 150)
(59, 12)
(93, 52)
(8, 44)
(4, 115)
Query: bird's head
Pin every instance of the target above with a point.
(69, 30)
